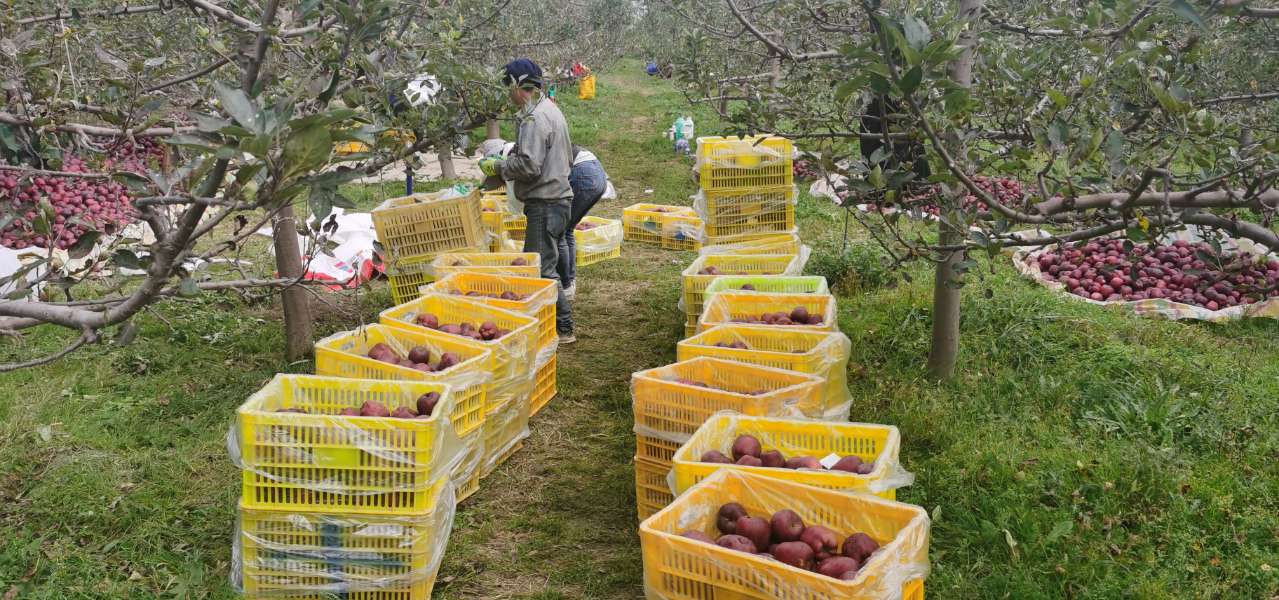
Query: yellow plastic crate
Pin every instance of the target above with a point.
(767, 284)
(470, 469)
(679, 567)
(749, 212)
(733, 163)
(345, 354)
(545, 386)
(513, 353)
(598, 244)
(505, 428)
(495, 263)
(821, 353)
(728, 308)
(668, 412)
(322, 461)
(729, 264)
(425, 224)
(652, 493)
(300, 555)
(798, 437)
(540, 296)
(767, 243)
(671, 227)
(493, 213)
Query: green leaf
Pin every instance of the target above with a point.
(258, 145)
(1058, 134)
(1058, 98)
(956, 101)
(1167, 101)
(1184, 10)
(306, 149)
(239, 106)
(1116, 145)
(911, 80)
(190, 141)
(880, 84)
(917, 33)
(126, 259)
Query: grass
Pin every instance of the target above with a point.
(1080, 452)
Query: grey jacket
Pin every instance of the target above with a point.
(543, 154)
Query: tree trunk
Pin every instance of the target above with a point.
(446, 162)
(775, 80)
(297, 310)
(492, 130)
(944, 352)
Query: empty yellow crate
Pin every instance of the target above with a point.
(695, 281)
(672, 227)
(539, 295)
(796, 437)
(732, 214)
(668, 410)
(732, 163)
(821, 353)
(736, 307)
(493, 213)
(545, 386)
(600, 243)
(345, 354)
(652, 493)
(426, 224)
(496, 263)
(323, 461)
(679, 567)
(513, 353)
(317, 556)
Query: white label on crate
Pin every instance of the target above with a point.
(830, 460)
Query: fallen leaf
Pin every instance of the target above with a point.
(135, 576)
(12, 593)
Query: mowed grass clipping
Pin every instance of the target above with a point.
(1079, 452)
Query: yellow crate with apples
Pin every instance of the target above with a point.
(770, 310)
(598, 239)
(706, 268)
(531, 296)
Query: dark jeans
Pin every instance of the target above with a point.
(589, 184)
(547, 226)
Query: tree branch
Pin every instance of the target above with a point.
(111, 12)
(12, 119)
(86, 337)
(188, 77)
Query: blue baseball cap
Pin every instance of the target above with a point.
(522, 72)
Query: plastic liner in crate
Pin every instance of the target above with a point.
(513, 352)
(681, 568)
(672, 227)
(545, 384)
(671, 402)
(821, 353)
(427, 224)
(345, 354)
(751, 212)
(520, 264)
(875, 445)
(532, 296)
(749, 308)
(765, 243)
(314, 555)
(707, 268)
(733, 163)
(599, 241)
(298, 452)
(767, 284)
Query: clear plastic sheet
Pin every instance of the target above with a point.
(737, 307)
(878, 444)
(539, 298)
(288, 554)
(670, 403)
(768, 284)
(746, 212)
(821, 353)
(1026, 262)
(741, 153)
(606, 236)
(320, 459)
(506, 426)
(494, 263)
(674, 564)
(744, 265)
(784, 242)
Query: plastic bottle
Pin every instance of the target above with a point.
(679, 128)
(688, 128)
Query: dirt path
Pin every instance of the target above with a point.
(558, 520)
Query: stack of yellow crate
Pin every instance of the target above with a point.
(356, 506)
(748, 187)
(413, 230)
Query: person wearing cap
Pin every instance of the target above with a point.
(539, 165)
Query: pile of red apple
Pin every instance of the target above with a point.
(419, 358)
(518, 262)
(748, 452)
(584, 226)
(1006, 190)
(80, 205)
(506, 295)
(785, 538)
(797, 316)
(487, 331)
(372, 408)
(804, 169)
(1104, 270)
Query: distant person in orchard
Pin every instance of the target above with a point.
(539, 165)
